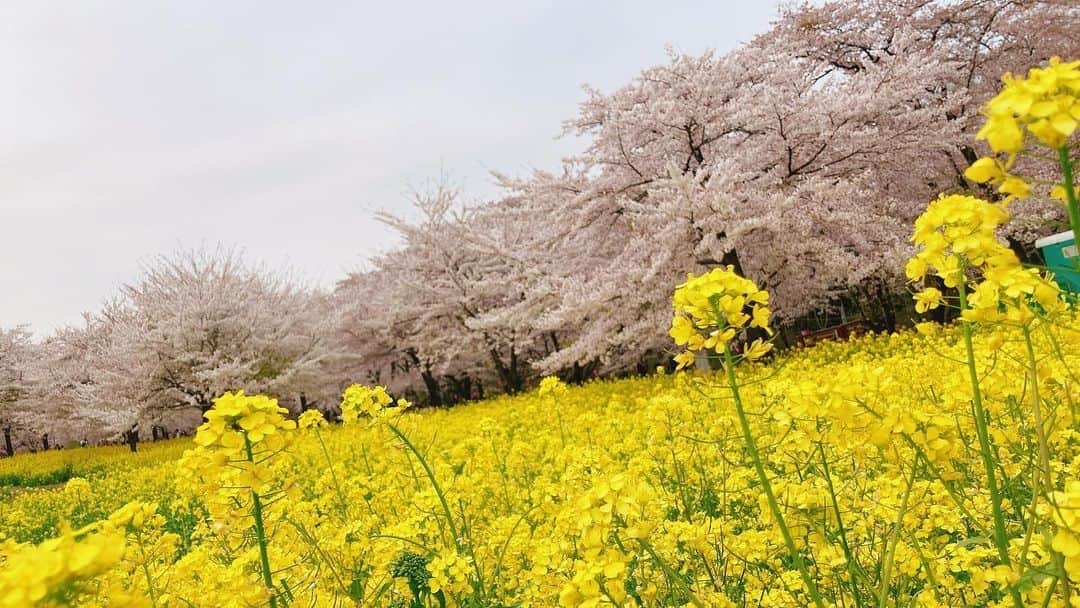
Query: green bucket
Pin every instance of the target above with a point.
(1059, 251)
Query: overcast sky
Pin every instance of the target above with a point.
(133, 128)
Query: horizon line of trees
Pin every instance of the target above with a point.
(800, 158)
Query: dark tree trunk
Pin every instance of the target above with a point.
(466, 389)
(731, 258)
(509, 374)
(783, 337)
(431, 383)
(579, 374)
(555, 347)
(877, 306)
(133, 439)
(1025, 251)
(887, 309)
(459, 389)
(45, 441)
(7, 441)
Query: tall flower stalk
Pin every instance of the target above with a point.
(957, 242)
(236, 446)
(710, 311)
(259, 527)
(1001, 540)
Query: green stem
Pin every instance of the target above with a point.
(314, 543)
(1045, 479)
(766, 486)
(1000, 538)
(852, 565)
(670, 572)
(260, 532)
(894, 537)
(343, 504)
(1070, 191)
(930, 578)
(151, 590)
(1040, 429)
(434, 483)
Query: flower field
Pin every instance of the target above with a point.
(630, 492)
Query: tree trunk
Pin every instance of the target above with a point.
(7, 441)
(555, 347)
(459, 389)
(516, 379)
(888, 311)
(509, 375)
(1025, 251)
(133, 439)
(731, 258)
(45, 441)
(431, 383)
(579, 374)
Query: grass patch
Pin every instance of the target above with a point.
(44, 479)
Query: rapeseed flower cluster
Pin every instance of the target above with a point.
(113, 558)
(1046, 106)
(374, 403)
(311, 419)
(236, 416)
(712, 308)
(958, 243)
(59, 571)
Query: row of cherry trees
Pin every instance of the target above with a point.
(196, 324)
(801, 158)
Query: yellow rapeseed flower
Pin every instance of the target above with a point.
(710, 310)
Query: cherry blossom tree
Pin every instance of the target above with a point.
(52, 397)
(16, 352)
(800, 158)
(380, 336)
(975, 40)
(198, 324)
(16, 347)
(444, 286)
(82, 389)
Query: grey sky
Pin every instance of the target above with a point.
(129, 129)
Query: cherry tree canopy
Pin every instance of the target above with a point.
(800, 158)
